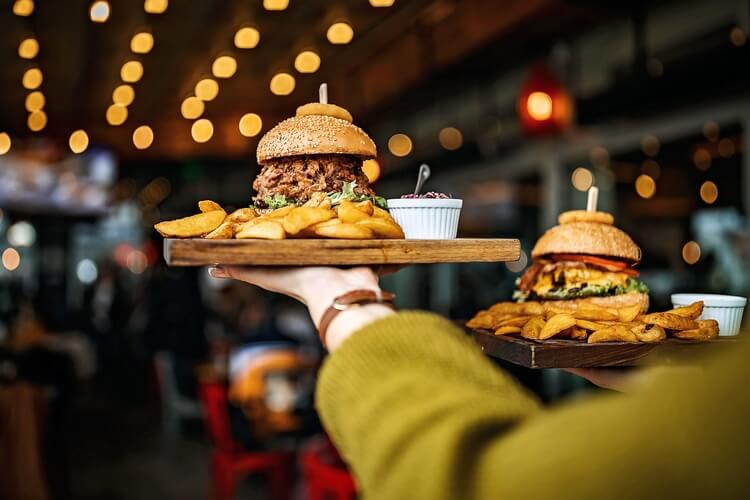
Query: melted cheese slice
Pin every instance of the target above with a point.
(575, 277)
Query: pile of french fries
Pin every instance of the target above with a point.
(315, 219)
(594, 324)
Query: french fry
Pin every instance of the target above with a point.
(225, 231)
(193, 226)
(279, 212)
(707, 329)
(513, 321)
(612, 334)
(693, 311)
(303, 217)
(481, 321)
(508, 329)
(365, 206)
(533, 328)
(577, 333)
(629, 313)
(264, 230)
(669, 321)
(383, 228)
(208, 206)
(590, 325)
(344, 231)
(594, 313)
(652, 335)
(556, 324)
(349, 214)
(379, 212)
(242, 215)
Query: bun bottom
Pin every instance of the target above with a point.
(614, 301)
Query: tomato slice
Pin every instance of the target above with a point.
(609, 265)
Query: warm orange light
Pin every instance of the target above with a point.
(143, 137)
(738, 37)
(99, 11)
(34, 101)
(79, 141)
(726, 147)
(131, 71)
(202, 130)
(450, 138)
(250, 125)
(340, 33)
(275, 4)
(32, 78)
(711, 130)
(582, 179)
(691, 252)
(37, 121)
(142, 43)
(192, 108)
(155, 6)
(307, 62)
(709, 192)
(28, 48)
(382, 3)
(116, 114)
(246, 38)
(645, 186)
(123, 95)
(702, 159)
(371, 168)
(224, 67)
(206, 89)
(282, 84)
(11, 259)
(650, 145)
(23, 8)
(400, 145)
(4, 143)
(539, 106)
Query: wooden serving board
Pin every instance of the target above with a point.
(565, 353)
(324, 252)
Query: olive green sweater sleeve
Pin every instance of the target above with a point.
(419, 413)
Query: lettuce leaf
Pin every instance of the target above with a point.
(347, 193)
(606, 290)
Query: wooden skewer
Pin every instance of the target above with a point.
(323, 93)
(592, 199)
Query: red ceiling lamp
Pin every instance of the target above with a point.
(544, 104)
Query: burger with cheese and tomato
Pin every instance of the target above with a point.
(585, 259)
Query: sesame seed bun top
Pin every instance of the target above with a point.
(590, 238)
(314, 134)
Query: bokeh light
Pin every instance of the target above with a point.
(726, 147)
(123, 95)
(250, 125)
(400, 145)
(23, 8)
(650, 145)
(282, 84)
(340, 33)
(307, 61)
(711, 130)
(131, 71)
(32, 78)
(28, 48)
(246, 38)
(99, 11)
(709, 192)
(599, 156)
(371, 168)
(35, 101)
(691, 252)
(207, 89)
(539, 106)
(137, 262)
(21, 234)
(142, 43)
(450, 138)
(143, 137)
(582, 178)
(737, 36)
(117, 114)
(79, 141)
(37, 121)
(11, 259)
(192, 108)
(702, 159)
(645, 186)
(224, 67)
(155, 6)
(5, 143)
(202, 130)
(382, 3)
(86, 271)
(275, 4)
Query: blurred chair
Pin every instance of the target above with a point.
(229, 461)
(174, 406)
(325, 474)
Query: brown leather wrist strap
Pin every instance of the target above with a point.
(350, 300)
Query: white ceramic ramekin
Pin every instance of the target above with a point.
(726, 309)
(426, 218)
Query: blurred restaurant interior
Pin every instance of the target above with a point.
(117, 114)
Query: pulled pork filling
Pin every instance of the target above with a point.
(298, 177)
(563, 280)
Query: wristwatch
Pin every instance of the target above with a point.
(350, 300)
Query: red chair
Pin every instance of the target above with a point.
(325, 479)
(230, 462)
